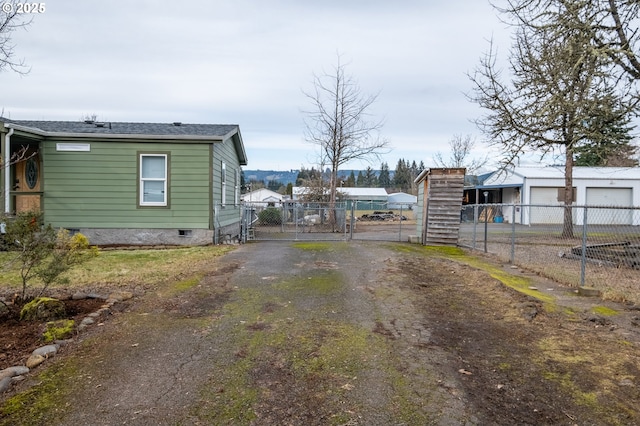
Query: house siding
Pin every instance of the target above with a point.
(99, 189)
(226, 212)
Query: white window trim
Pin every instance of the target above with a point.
(142, 180)
(236, 189)
(223, 173)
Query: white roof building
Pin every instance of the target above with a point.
(262, 196)
(537, 186)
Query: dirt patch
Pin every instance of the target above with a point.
(348, 334)
(18, 339)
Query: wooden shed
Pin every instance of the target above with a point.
(440, 193)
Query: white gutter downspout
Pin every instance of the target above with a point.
(7, 169)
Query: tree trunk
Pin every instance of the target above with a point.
(567, 228)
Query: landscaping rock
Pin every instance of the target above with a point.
(87, 321)
(79, 296)
(13, 371)
(5, 382)
(57, 330)
(34, 360)
(120, 296)
(43, 309)
(46, 351)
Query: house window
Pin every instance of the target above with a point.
(236, 189)
(224, 183)
(31, 173)
(153, 179)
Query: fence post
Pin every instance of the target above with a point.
(486, 222)
(295, 218)
(353, 220)
(400, 233)
(513, 234)
(475, 224)
(583, 259)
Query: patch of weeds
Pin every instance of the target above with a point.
(520, 284)
(313, 246)
(585, 399)
(232, 399)
(186, 284)
(555, 348)
(604, 311)
(42, 402)
(323, 283)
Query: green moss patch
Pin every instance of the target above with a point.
(36, 405)
(58, 330)
(322, 283)
(43, 308)
(313, 246)
(521, 284)
(604, 311)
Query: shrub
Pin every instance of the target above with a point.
(42, 253)
(270, 216)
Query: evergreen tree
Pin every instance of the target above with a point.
(360, 180)
(351, 180)
(370, 179)
(402, 178)
(384, 179)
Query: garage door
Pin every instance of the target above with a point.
(547, 196)
(622, 197)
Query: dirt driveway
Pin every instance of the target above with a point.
(358, 333)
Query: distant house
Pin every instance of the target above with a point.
(593, 186)
(262, 196)
(365, 198)
(401, 200)
(127, 183)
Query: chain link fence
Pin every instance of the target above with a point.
(360, 220)
(383, 221)
(594, 246)
(290, 220)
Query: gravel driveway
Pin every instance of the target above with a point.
(335, 333)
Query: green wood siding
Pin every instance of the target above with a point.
(230, 212)
(99, 189)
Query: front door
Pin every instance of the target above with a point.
(27, 186)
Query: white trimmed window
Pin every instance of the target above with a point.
(153, 179)
(236, 190)
(224, 183)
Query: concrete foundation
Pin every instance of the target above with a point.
(149, 237)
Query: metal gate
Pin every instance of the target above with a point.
(382, 221)
(358, 220)
(293, 220)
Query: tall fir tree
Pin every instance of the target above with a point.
(384, 179)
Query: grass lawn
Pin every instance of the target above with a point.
(122, 268)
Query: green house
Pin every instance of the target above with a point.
(126, 183)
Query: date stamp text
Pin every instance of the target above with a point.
(20, 8)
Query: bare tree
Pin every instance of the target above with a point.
(10, 21)
(558, 86)
(460, 155)
(340, 124)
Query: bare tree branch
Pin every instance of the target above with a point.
(10, 21)
(460, 155)
(559, 94)
(340, 124)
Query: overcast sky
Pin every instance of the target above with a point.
(248, 62)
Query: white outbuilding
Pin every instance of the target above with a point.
(544, 186)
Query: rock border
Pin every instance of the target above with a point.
(15, 374)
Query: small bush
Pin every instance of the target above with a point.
(270, 216)
(42, 253)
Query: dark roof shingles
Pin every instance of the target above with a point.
(120, 128)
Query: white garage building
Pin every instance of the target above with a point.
(544, 186)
